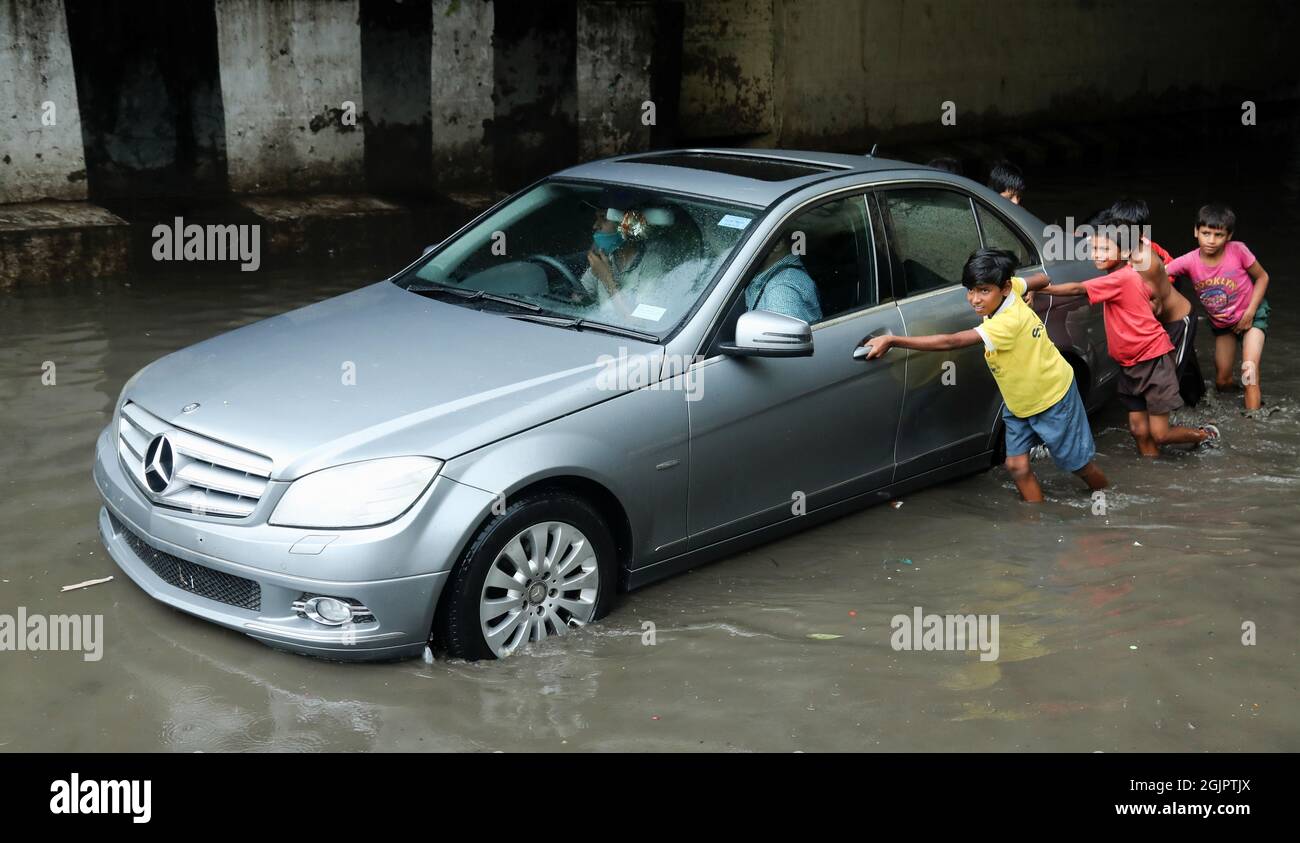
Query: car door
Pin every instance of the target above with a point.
(951, 401)
(771, 438)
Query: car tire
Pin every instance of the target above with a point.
(509, 547)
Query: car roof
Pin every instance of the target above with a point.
(719, 173)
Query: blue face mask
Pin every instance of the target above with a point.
(607, 241)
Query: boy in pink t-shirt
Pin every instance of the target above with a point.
(1230, 284)
(1148, 379)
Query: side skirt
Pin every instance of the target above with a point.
(794, 524)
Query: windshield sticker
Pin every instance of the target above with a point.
(733, 221)
(649, 312)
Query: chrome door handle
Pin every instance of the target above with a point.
(860, 351)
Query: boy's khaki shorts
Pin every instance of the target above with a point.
(1150, 386)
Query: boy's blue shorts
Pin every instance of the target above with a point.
(1062, 427)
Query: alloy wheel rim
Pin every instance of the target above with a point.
(543, 583)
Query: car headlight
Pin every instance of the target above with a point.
(359, 494)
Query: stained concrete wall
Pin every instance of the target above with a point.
(727, 68)
(471, 91)
(461, 98)
(38, 159)
(287, 68)
(846, 73)
(615, 44)
(1062, 61)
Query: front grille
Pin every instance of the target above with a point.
(207, 477)
(186, 575)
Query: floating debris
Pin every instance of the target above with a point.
(86, 584)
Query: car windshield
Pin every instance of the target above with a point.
(608, 255)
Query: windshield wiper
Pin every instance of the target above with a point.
(526, 305)
(472, 295)
(566, 322)
(536, 314)
(444, 288)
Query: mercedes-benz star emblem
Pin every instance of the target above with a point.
(159, 461)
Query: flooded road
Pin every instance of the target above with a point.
(1117, 633)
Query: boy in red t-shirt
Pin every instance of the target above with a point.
(1171, 307)
(1148, 382)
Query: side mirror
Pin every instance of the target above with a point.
(762, 333)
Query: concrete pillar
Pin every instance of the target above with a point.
(461, 96)
(41, 154)
(615, 45)
(289, 71)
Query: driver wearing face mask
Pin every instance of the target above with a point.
(624, 254)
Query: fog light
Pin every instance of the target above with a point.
(329, 611)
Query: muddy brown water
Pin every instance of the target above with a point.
(1118, 632)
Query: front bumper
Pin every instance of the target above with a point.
(396, 570)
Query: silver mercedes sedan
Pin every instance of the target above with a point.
(627, 369)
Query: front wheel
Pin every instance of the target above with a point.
(543, 567)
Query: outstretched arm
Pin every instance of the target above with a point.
(931, 342)
(1075, 289)
(1037, 281)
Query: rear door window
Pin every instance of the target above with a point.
(1001, 235)
(932, 232)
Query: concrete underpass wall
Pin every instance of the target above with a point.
(40, 149)
(843, 74)
(248, 96)
(287, 70)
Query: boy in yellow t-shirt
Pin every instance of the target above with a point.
(1042, 403)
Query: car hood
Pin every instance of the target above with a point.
(381, 372)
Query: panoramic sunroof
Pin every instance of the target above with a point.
(751, 167)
